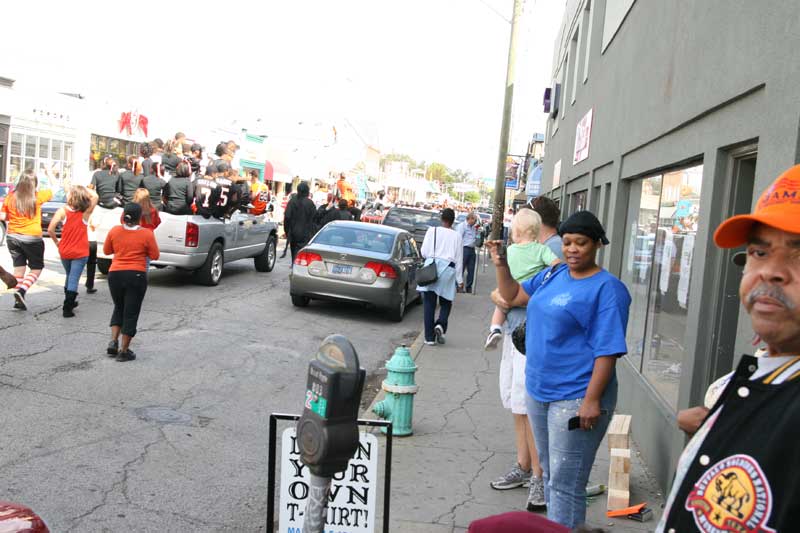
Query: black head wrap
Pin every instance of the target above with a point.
(585, 223)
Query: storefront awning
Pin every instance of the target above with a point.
(277, 171)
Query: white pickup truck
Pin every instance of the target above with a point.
(201, 245)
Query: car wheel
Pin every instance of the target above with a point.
(103, 265)
(300, 301)
(210, 273)
(265, 261)
(397, 313)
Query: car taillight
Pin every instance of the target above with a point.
(306, 258)
(382, 270)
(192, 235)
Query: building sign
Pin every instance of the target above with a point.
(351, 503)
(557, 174)
(583, 134)
(512, 172)
(534, 186)
(131, 122)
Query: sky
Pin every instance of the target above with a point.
(422, 77)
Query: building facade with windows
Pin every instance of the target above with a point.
(665, 118)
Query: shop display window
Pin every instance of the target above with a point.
(119, 148)
(663, 216)
(42, 154)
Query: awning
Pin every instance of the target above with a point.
(277, 171)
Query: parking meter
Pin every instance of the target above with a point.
(327, 433)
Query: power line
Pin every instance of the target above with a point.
(496, 12)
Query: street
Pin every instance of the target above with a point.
(177, 439)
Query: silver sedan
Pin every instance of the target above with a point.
(358, 262)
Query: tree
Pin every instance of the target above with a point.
(472, 196)
(438, 172)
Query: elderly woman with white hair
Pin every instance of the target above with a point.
(526, 258)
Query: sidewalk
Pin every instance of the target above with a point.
(463, 438)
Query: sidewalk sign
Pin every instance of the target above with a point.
(351, 506)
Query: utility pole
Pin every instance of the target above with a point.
(500, 177)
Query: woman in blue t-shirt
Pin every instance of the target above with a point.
(577, 314)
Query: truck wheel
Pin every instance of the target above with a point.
(265, 261)
(300, 301)
(211, 271)
(103, 265)
(397, 313)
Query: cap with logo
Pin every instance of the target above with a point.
(778, 207)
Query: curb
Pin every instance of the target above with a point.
(415, 348)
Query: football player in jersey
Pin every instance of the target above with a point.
(259, 194)
(221, 174)
(206, 195)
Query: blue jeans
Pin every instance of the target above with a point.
(567, 456)
(429, 299)
(469, 265)
(74, 269)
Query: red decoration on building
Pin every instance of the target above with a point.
(133, 121)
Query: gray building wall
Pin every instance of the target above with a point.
(679, 82)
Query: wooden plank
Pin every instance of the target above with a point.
(620, 461)
(619, 431)
(618, 499)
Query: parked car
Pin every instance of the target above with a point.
(414, 221)
(5, 189)
(358, 262)
(202, 245)
(49, 210)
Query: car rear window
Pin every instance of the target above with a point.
(356, 238)
(410, 218)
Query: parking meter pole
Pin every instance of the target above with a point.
(317, 504)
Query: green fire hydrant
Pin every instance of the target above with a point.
(400, 388)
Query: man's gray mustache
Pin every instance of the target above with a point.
(770, 291)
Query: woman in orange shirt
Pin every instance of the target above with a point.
(131, 245)
(74, 244)
(22, 211)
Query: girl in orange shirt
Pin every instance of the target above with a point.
(74, 244)
(22, 211)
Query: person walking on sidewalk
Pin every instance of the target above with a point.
(550, 213)
(443, 246)
(131, 246)
(91, 264)
(22, 211)
(526, 258)
(739, 471)
(73, 247)
(468, 231)
(577, 315)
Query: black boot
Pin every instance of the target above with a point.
(69, 304)
(75, 303)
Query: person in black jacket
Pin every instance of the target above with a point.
(105, 183)
(179, 191)
(131, 178)
(146, 151)
(343, 213)
(154, 183)
(298, 220)
(355, 211)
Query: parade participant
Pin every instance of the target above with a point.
(171, 158)
(207, 194)
(178, 192)
(221, 173)
(343, 211)
(441, 245)
(526, 258)
(150, 218)
(324, 212)
(130, 179)
(468, 231)
(259, 194)
(575, 330)
(73, 247)
(737, 472)
(355, 211)
(158, 150)
(240, 193)
(298, 220)
(22, 212)
(105, 183)
(146, 152)
(197, 155)
(131, 246)
(154, 183)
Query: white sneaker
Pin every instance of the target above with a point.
(430, 343)
(494, 337)
(439, 332)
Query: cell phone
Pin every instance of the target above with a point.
(575, 421)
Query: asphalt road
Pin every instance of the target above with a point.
(176, 440)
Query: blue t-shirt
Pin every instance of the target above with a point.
(570, 323)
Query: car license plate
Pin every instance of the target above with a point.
(341, 269)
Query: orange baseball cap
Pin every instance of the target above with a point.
(779, 207)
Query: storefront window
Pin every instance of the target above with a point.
(30, 146)
(578, 202)
(662, 224)
(119, 148)
(41, 154)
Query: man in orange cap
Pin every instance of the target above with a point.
(739, 471)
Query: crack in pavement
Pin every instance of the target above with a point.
(469, 496)
(12, 357)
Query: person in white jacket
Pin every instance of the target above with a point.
(441, 245)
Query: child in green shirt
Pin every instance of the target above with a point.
(526, 258)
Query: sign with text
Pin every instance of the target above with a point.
(351, 503)
(583, 135)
